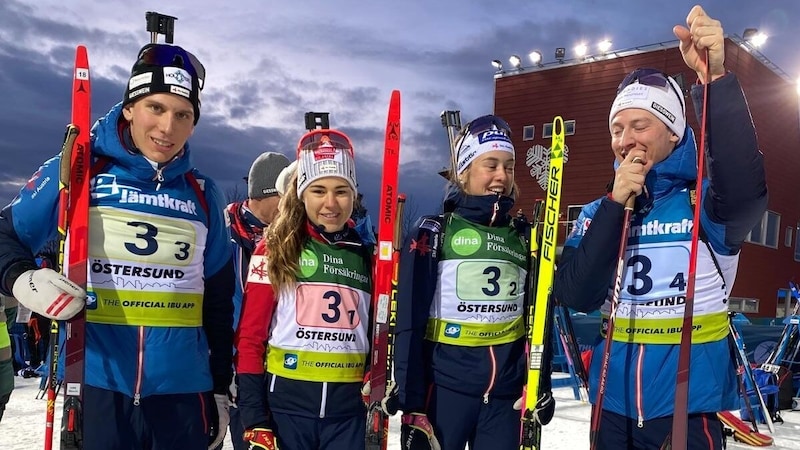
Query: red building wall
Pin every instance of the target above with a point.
(584, 92)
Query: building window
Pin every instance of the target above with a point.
(787, 239)
(569, 129)
(797, 246)
(767, 230)
(573, 211)
(785, 303)
(528, 132)
(743, 305)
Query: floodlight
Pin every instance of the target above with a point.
(535, 57)
(754, 37)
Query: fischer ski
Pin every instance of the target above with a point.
(540, 318)
(77, 253)
(384, 271)
(741, 432)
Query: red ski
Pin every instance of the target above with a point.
(742, 432)
(77, 251)
(377, 420)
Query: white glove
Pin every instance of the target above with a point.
(543, 410)
(49, 293)
(224, 419)
(233, 393)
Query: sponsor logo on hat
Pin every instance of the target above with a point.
(327, 167)
(664, 112)
(492, 135)
(176, 75)
(325, 151)
(142, 91)
(466, 160)
(180, 91)
(138, 80)
(635, 91)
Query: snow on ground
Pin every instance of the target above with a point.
(22, 427)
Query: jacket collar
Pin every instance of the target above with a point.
(480, 209)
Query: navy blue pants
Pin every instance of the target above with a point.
(622, 433)
(160, 422)
(329, 433)
(3, 401)
(460, 419)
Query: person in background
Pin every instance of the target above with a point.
(8, 313)
(159, 315)
(655, 159)
(248, 219)
(306, 311)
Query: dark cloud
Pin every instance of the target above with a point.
(439, 58)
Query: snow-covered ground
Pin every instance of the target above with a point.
(22, 427)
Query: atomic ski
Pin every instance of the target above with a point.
(77, 252)
(741, 432)
(380, 372)
(540, 318)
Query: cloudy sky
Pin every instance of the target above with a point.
(268, 62)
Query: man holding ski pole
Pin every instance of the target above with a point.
(159, 315)
(656, 161)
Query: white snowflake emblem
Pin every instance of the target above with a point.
(538, 159)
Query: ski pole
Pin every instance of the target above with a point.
(680, 418)
(63, 205)
(623, 245)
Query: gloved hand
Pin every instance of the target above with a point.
(261, 438)
(233, 392)
(221, 401)
(416, 433)
(543, 410)
(49, 293)
(389, 403)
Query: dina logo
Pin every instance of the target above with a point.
(452, 330)
(308, 263)
(91, 300)
(290, 361)
(465, 242)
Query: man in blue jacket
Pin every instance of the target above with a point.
(655, 160)
(248, 219)
(159, 314)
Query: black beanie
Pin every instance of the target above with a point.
(169, 69)
(264, 174)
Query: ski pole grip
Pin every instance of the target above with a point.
(629, 203)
